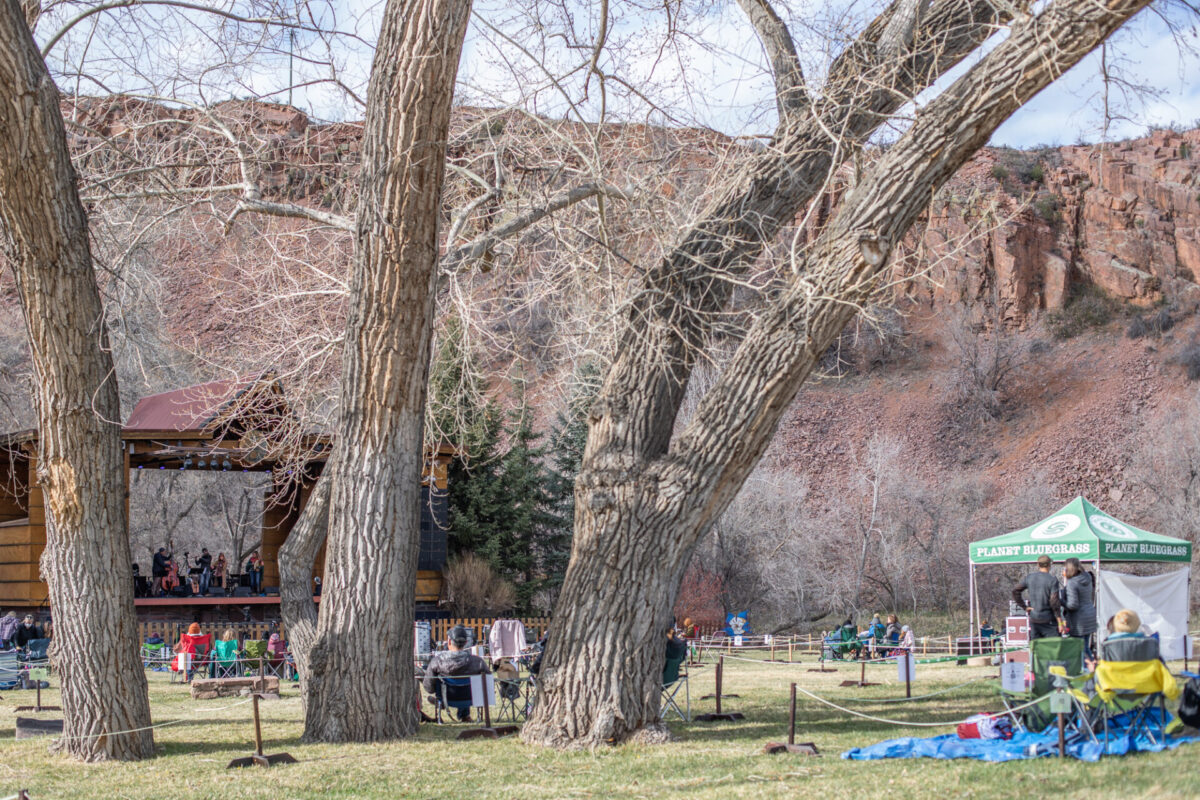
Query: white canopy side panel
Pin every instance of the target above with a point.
(1161, 601)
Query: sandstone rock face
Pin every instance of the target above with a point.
(1123, 217)
(212, 688)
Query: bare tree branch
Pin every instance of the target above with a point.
(481, 247)
(790, 94)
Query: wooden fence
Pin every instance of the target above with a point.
(171, 631)
(534, 626)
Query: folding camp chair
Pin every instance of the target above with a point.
(224, 659)
(10, 670)
(254, 654)
(275, 664)
(841, 642)
(1135, 690)
(510, 695)
(155, 656)
(674, 679)
(191, 657)
(453, 693)
(1066, 654)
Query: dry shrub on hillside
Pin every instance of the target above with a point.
(473, 588)
(986, 358)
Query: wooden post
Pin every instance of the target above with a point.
(1062, 736)
(772, 648)
(791, 644)
(907, 674)
(720, 670)
(487, 712)
(792, 718)
(258, 749)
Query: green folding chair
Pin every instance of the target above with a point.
(1066, 653)
(254, 654)
(225, 658)
(675, 678)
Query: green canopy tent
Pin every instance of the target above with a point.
(1079, 530)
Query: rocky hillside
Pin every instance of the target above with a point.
(1123, 218)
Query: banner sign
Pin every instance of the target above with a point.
(737, 624)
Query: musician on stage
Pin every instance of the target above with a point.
(159, 570)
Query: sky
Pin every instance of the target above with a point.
(693, 63)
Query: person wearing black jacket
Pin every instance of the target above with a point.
(1043, 602)
(27, 632)
(158, 570)
(676, 646)
(1075, 597)
(455, 660)
(204, 562)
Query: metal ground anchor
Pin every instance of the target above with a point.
(258, 757)
(804, 748)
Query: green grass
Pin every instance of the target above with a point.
(708, 761)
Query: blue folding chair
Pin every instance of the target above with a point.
(453, 693)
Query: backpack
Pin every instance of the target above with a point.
(1189, 704)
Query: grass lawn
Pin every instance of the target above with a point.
(708, 761)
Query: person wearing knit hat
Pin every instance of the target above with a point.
(194, 629)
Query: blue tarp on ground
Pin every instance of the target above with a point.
(1021, 746)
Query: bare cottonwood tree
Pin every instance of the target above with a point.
(644, 497)
(362, 678)
(86, 562)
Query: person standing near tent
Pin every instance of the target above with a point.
(1075, 598)
(1043, 602)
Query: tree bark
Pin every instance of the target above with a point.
(87, 559)
(360, 682)
(638, 519)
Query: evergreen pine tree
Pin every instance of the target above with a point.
(565, 451)
(518, 543)
(460, 415)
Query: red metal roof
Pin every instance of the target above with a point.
(192, 408)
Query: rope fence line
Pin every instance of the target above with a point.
(905, 723)
(881, 699)
(154, 726)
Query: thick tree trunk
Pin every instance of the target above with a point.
(87, 561)
(361, 685)
(296, 560)
(636, 526)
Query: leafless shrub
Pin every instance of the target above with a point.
(873, 340)
(473, 588)
(986, 357)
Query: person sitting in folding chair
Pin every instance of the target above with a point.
(674, 678)
(276, 655)
(1131, 680)
(191, 653)
(155, 652)
(225, 655)
(454, 661)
